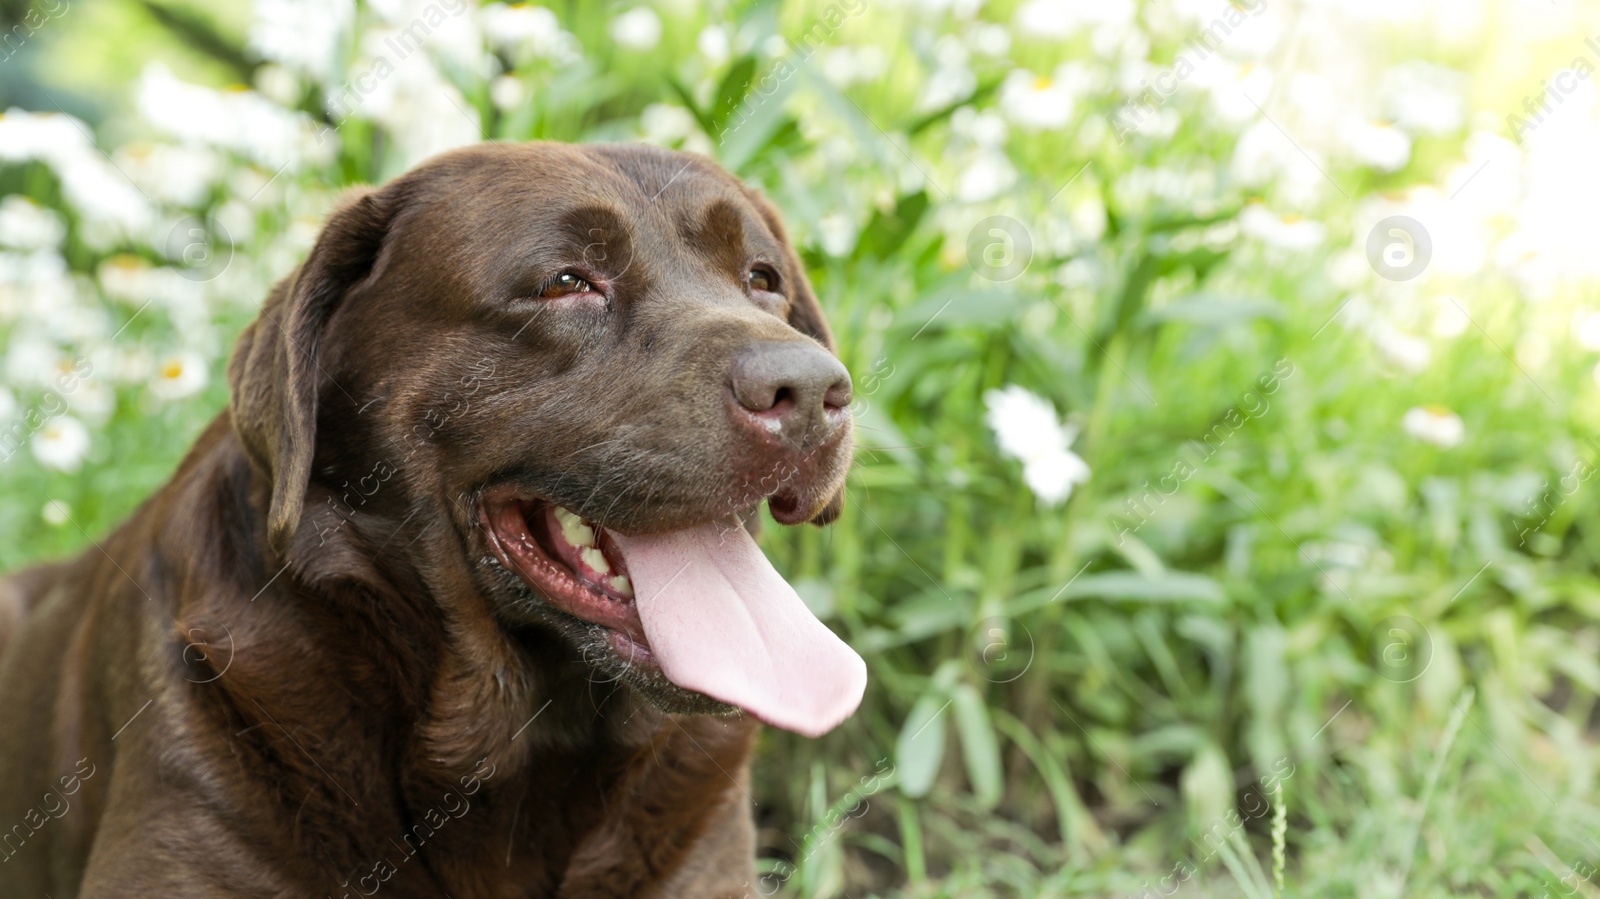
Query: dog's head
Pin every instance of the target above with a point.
(588, 366)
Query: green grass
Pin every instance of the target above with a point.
(1055, 710)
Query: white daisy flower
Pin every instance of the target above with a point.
(960, 8)
(179, 375)
(520, 26)
(774, 46)
(32, 358)
(26, 135)
(989, 39)
(637, 29)
(27, 225)
(112, 206)
(424, 112)
(1379, 145)
(985, 177)
(119, 363)
(61, 444)
(664, 123)
(836, 233)
(1047, 19)
(453, 35)
(506, 92)
(301, 34)
(1403, 351)
(1288, 232)
(1088, 219)
(1425, 97)
(1262, 153)
(986, 129)
(1434, 424)
(239, 120)
(93, 401)
(1036, 102)
(181, 175)
(1027, 428)
(278, 84)
(949, 83)
(1588, 331)
(845, 66)
(126, 277)
(1450, 321)
(1054, 19)
(714, 43)
(238, 219)
(1230, 86)
(56, 513)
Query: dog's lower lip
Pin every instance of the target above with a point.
(632, 651)
(515, 526)
(785, 506)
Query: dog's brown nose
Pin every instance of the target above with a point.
(795, 391)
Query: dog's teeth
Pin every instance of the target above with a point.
(622, 585)
(595, 559)
(574, 529)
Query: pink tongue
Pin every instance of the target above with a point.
(721, 621)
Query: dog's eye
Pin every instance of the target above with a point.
(563, 285)
(762, 279)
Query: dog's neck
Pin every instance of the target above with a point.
(404, 702)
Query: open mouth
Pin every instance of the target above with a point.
(573, 563)
(700, 606)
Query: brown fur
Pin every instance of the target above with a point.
(298, 670)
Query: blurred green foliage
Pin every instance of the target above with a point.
(1286, 562)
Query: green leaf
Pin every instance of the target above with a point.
(979, 746)
(1127, 586)
(920, 748)
(887, 231)
(756, 123)
(1073, 821)
(991, 309)
(1170, 223)
(1212, 311)
(731, 92)
(944, 112)
(1132, 297)
(1172, 586)
(818, 595)
(686, 97)
(1207, 786)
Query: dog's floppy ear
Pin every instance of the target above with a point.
(274, 373)
(805, 316)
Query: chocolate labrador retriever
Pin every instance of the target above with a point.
(456, 598)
